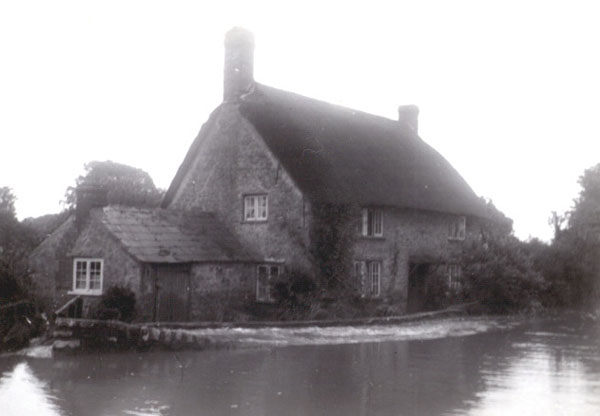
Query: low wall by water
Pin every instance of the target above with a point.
(89, 334)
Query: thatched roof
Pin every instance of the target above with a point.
(335, 154)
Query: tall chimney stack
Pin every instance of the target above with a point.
(88, 197)
(239, 63)
(409, 114)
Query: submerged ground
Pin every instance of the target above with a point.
(475, 366)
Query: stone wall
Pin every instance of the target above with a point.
(233, 161)
(119, 268)
(411, 236)
(49, 264)
(212, 289)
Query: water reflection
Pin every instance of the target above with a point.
(22, 393)
(548, 368)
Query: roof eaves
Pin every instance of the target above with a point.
(189, 159)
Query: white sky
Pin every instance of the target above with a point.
(509, 92)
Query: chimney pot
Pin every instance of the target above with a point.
(409, 114)
(239, 63)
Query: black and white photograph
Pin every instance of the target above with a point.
(299, 208)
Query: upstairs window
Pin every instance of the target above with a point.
(372, 222)
(87, 276)
(255, 208)
(265, 274)
(457, 229)
(454, 272)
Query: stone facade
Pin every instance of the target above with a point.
(411, 237)
(118, 268)
(232, 162)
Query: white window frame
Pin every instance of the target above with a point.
(87, 290)
(454, 272)
(457, 229)
(265, 296)
(372, 222)
(256, 208)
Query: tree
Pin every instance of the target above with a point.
(587, 205)
(126, 185)
(571, 264)
(16, 242)
(7, 201)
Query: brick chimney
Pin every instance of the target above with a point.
(88, 197)
(409, 114)
(239, 63)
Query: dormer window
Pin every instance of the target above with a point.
(457, 229)
(372, 222)
(255, 208)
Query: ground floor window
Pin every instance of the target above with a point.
(367, 277)
(265, 275)
(454, 272)
(87, 276)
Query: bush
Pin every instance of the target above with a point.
(501, 275)
(117, 303)
(295, 294)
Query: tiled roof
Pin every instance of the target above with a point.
(172, 236)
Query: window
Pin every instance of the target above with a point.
(87, 276)
(457, 228)
(265, 273)
(367, 276)
(454, 277)
(255, 208)
(372, 222)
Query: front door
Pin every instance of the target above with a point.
(173, 293)
(417, 287)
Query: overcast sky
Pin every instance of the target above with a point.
(509, 92)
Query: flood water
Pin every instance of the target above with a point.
(449, 367)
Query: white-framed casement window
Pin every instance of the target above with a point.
(372, 222)
(87, 276)
(457, 229)
(255, 208)
(265, 273)
(454, 272)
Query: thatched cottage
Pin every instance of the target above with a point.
(275, 183)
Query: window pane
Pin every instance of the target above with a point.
(374, 274)
(249, 209)
(80, 274)
(95, 274)
(262, 207)
(262, 284)
(274, 272)
(365, 221)
(359, 275)
(378, 222)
